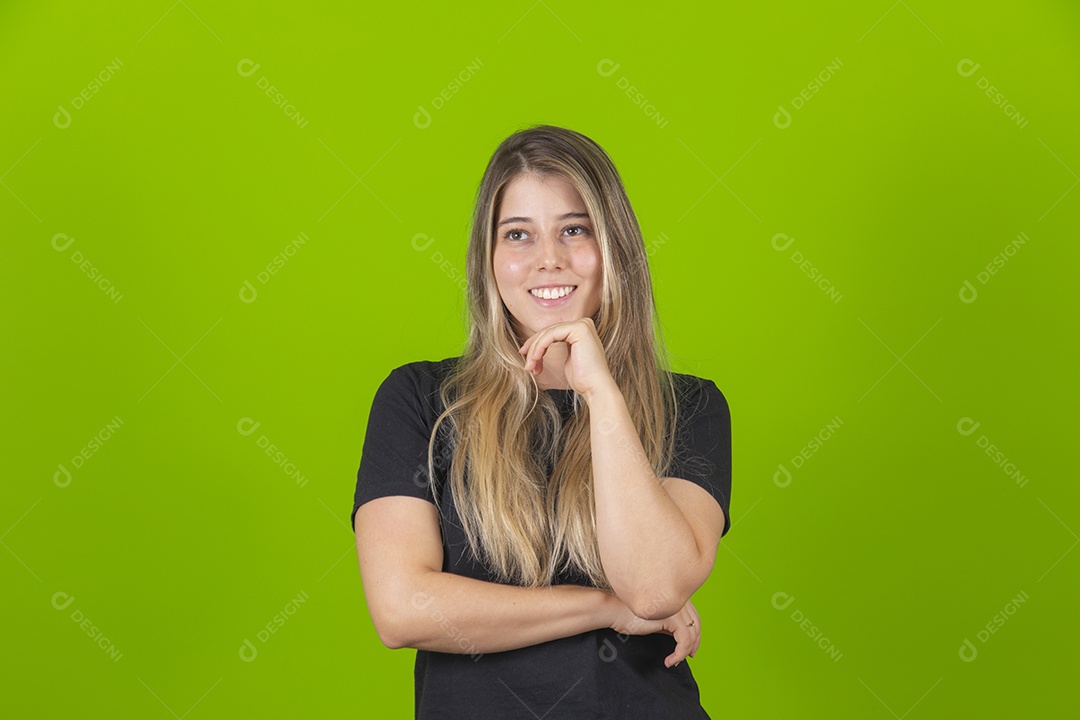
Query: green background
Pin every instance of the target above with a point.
(180, 180)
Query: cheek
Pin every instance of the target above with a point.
(587, 263)
(590, 266)
(507, 274)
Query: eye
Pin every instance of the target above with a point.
(513, 235)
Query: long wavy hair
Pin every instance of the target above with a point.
(505, 432)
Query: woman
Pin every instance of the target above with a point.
(534, 515)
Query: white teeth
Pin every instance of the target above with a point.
(552, 293)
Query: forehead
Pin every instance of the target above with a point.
(530, 192)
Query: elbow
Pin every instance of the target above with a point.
(388, 631)
(656, 611)
(393, 624)
(667, 597)
(397, 614)
(659, 600)
(658, 604)
(390, 637)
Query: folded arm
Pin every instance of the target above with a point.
(414, 604)
(657, 536)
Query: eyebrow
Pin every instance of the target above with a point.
(567, 216)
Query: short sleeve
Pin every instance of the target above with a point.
(703, 442)
(394, 456)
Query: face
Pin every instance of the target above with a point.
(545, 242)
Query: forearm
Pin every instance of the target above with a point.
(456, 614)
(645, 542)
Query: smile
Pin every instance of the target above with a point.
(553, 293)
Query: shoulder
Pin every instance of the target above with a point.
(696, 391)
(425, 372)
(420, 380)
(698, 401)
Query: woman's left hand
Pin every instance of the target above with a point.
(586, 368)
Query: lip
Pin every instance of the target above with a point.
(553, 302)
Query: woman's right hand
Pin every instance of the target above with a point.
(684, 626)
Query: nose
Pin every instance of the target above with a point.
(550, 253)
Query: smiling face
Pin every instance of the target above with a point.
(546, 257)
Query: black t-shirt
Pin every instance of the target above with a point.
(596, 674)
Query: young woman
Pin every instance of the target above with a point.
(534, 515)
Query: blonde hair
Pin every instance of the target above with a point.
(526, 526)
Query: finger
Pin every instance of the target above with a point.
(534, 361)
(531, 349)
(683, 643)
(695, 618)
(528, 343)
(559, 332)
(543, 340)
(538, 344)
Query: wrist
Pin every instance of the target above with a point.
(607, 611)
(606, 392)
